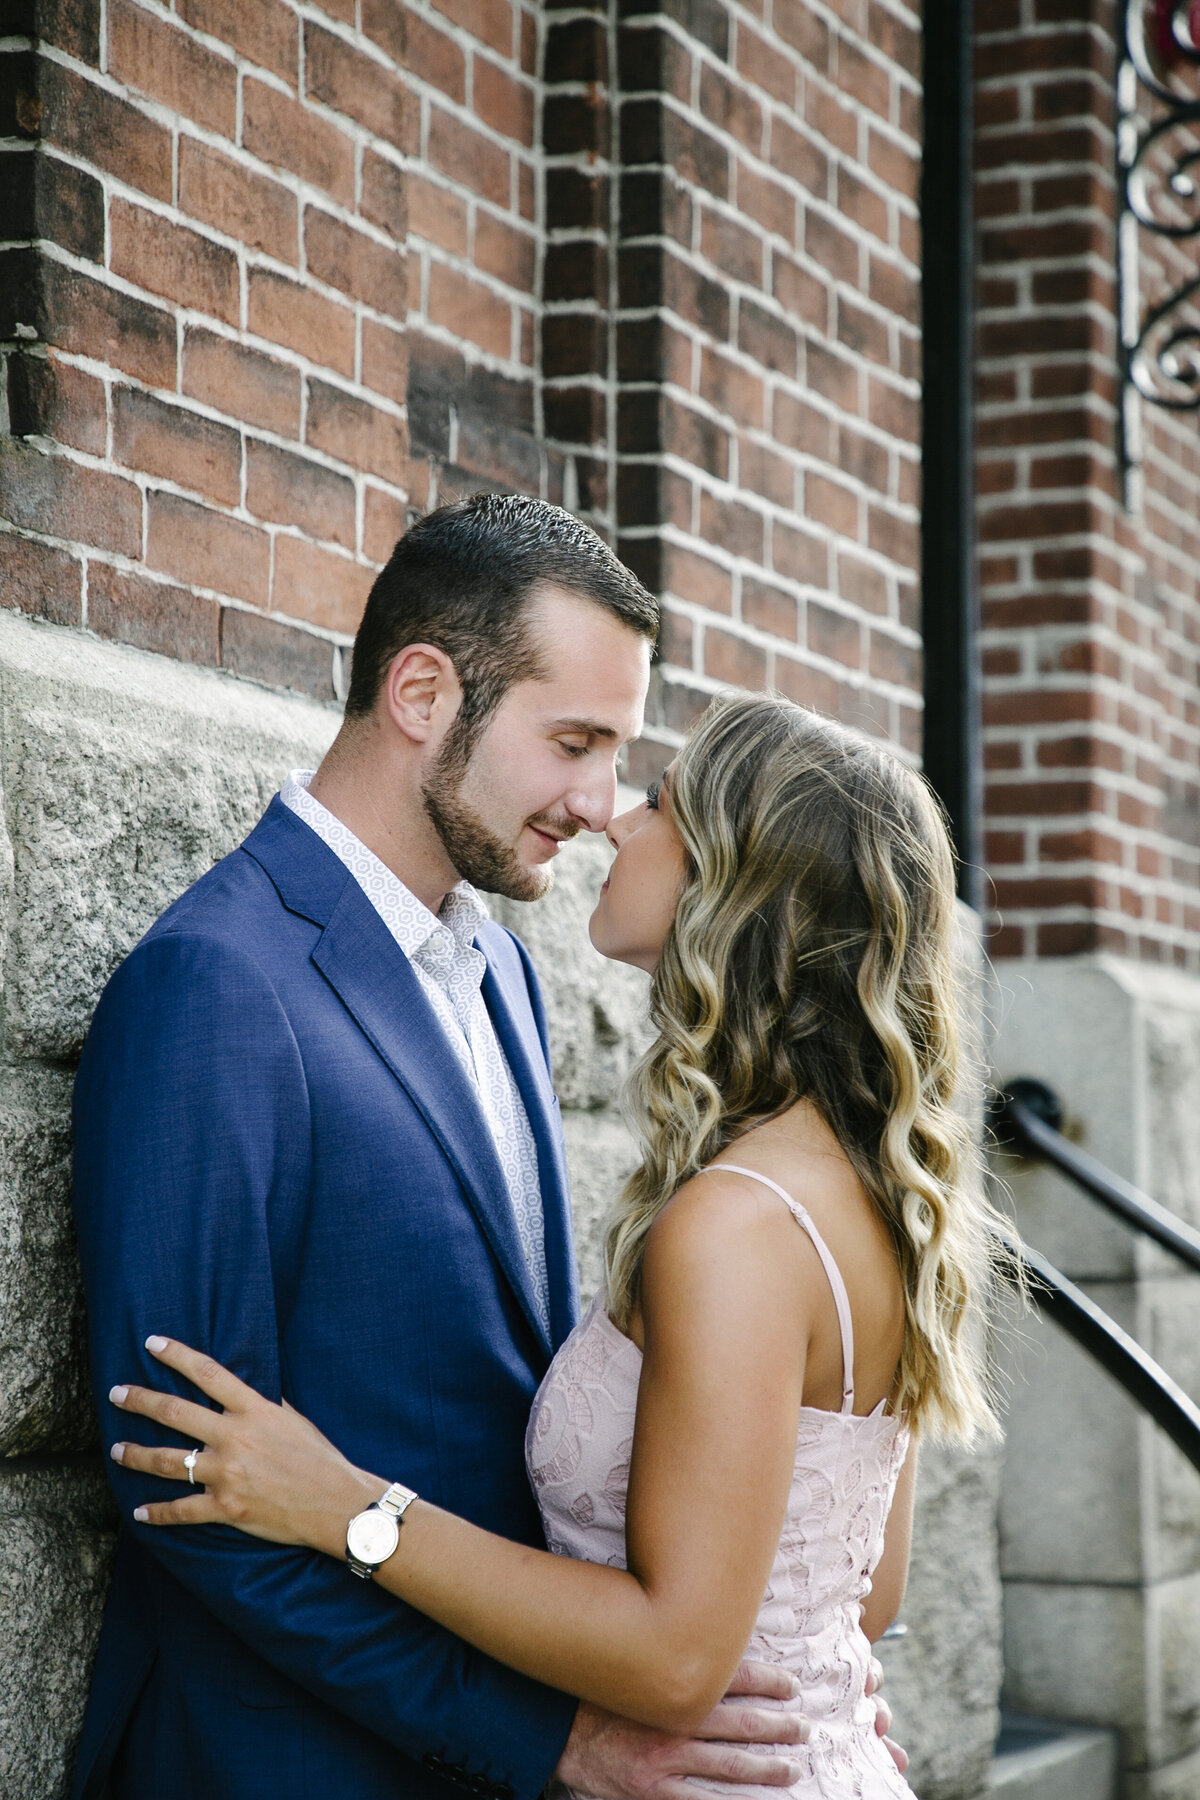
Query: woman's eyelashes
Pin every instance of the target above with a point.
(652, 793)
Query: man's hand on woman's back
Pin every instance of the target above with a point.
(615, 1759)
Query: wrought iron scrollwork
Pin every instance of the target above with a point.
(1158, 158)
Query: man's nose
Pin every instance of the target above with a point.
(592, 802)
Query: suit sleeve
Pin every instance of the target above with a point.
(192, 1163)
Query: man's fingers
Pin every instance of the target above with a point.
(883, 1717)
(897, 1752)
(725, 1762)
(874, 1675)
(763, 1681)
(735, 1722)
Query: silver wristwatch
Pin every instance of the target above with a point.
(372, 1536)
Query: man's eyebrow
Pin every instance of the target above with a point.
(584, 728)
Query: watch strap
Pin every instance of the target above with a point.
(397, 1500)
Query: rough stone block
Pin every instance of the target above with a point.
(596, 1009)
(1167, 1327)
(124, 778)
(943, 1676)
(1071, 1024)
(600, 1154)
(44, 1401)
(1173, 1621)
(57, 1535)
(1078, 1652)
(1071, 1495)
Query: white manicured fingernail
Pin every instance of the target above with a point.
(156, 1344)
(797, 1687)
(118, 1395)
(117, 1453)
(794, 1773)
(141, 1514)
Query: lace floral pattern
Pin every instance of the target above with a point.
(577, 1450)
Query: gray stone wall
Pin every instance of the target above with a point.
(123, 777)
(1100, 1518)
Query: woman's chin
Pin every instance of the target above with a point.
(611, 947)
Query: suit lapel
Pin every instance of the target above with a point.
(376, 982)
(507, 1000)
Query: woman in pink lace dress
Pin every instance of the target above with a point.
(722, 1449)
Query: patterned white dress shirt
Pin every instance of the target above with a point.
(441, 950)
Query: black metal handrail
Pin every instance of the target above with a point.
(1144, 1380)
(1028, 1115)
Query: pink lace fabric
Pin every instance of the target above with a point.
(577, 1449)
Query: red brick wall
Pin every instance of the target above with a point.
(1091, 613)
(209, 451)
(278, 277)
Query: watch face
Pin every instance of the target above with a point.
(372, 1536)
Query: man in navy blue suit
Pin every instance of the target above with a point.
(316, 1135)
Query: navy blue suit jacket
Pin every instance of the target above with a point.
(278, 1159)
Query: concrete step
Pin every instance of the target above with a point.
(1043, 1759)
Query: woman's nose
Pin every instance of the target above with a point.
(618, 829)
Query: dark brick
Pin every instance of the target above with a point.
(278, 655)
(72, 25)
(498, 452)
(40, 580)
(102, 129)
(576, 415)
(167, 620)
(650, 276)
(21, 103)
(576, 197)
(574, 124)
(655, 203)
(90, 319)
(67, 500)
(575, 271)
(435, 378)
(48, 398)
(573, 344)
(576, 50)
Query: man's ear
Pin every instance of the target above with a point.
(421, 692)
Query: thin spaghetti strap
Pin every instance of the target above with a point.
(841, 1298)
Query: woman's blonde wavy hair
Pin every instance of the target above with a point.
(813, 956)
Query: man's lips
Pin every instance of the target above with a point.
(549, 837)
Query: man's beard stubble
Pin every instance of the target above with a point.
(479, 856)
